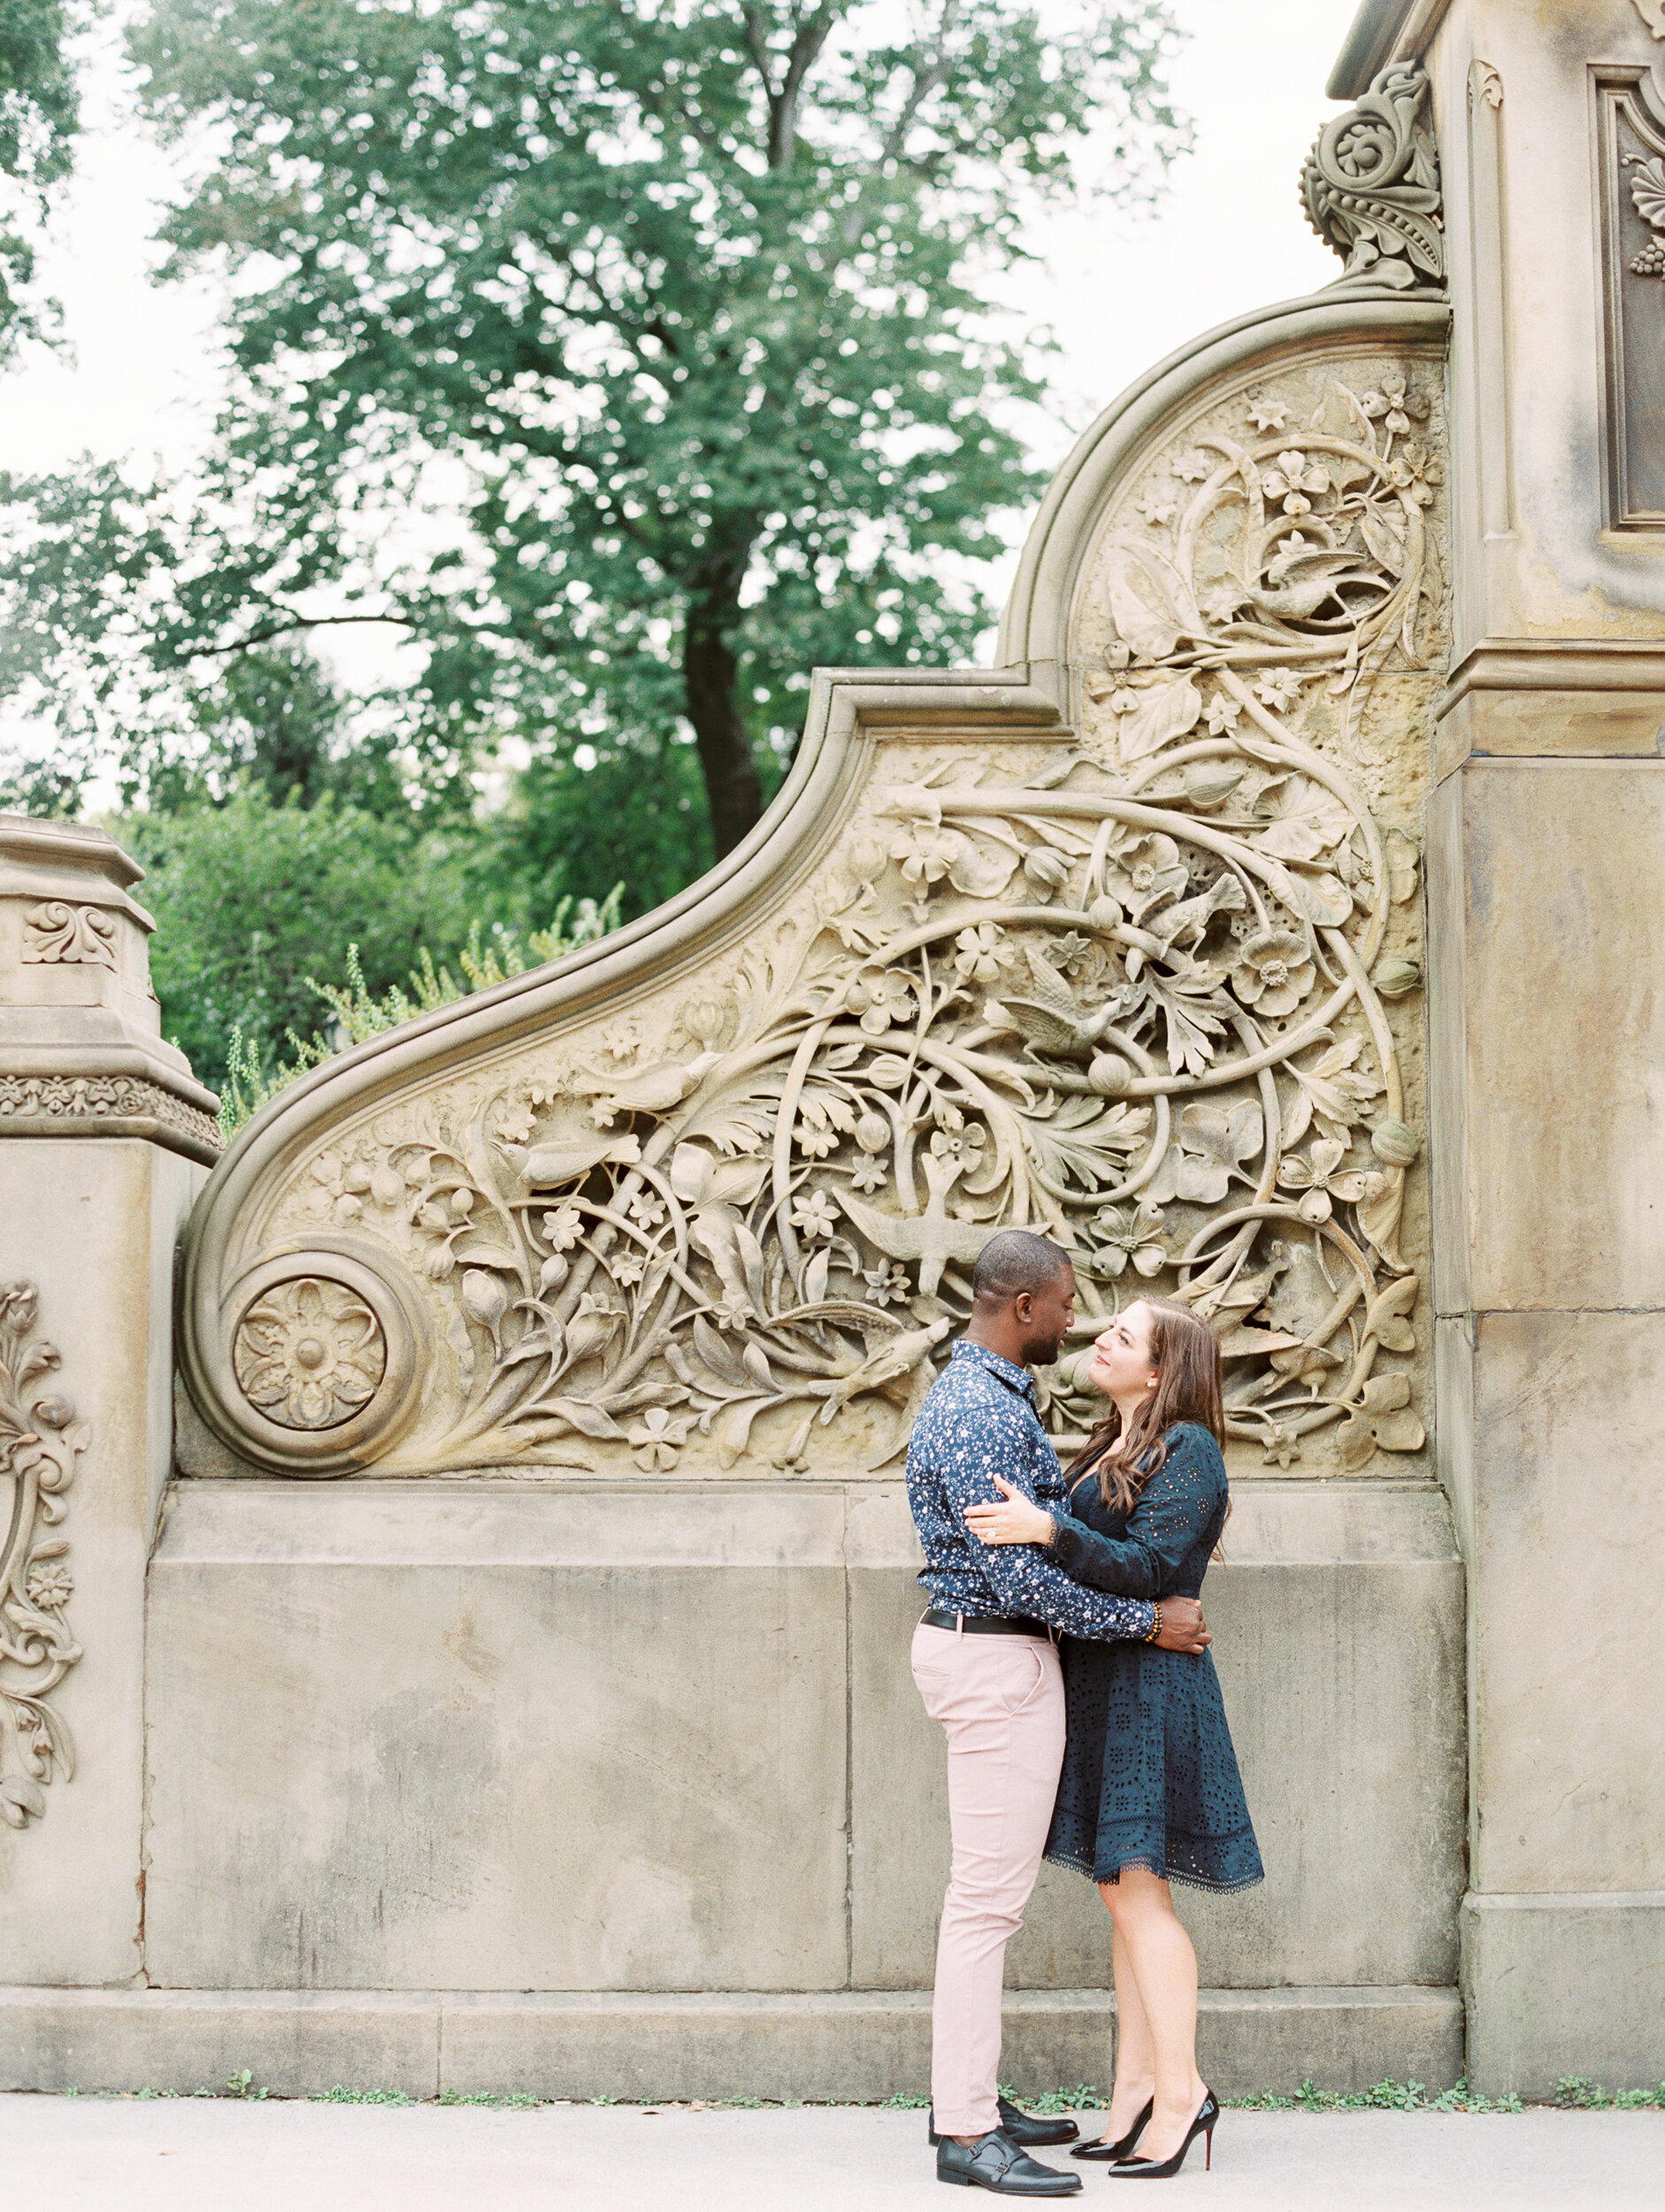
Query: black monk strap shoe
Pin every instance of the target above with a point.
(1026, 2130)
(994, 2161)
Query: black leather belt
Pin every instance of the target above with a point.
(984, 1624)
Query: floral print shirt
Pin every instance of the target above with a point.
(979, 1421)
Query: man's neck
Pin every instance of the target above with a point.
(992, 1338)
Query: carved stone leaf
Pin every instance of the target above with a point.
(1305, 820)
(588, 1418)
(1165, 711)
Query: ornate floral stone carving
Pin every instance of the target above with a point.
(1370, 187)
(90, 1099)
(1653, 13)
(39, 1442)
(1151, 983)
(56, 931)
(309, 1354)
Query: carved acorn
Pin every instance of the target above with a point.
(1395, 1143)
(1397, 977)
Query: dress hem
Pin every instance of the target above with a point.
(1142, 1863)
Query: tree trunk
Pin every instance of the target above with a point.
(710, 673)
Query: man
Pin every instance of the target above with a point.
(988, 1669)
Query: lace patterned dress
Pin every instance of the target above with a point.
(1150, 1778)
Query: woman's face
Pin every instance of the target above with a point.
(1122, 1366)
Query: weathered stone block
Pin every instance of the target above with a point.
(1560, 1985)
(433, 1735)
(1568, 1640)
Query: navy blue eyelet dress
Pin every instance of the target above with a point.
(1150, 1778)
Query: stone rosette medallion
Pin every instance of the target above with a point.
(309, 1354)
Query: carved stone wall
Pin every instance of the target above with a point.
(1150, 981)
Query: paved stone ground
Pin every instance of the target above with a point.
(86, 2155)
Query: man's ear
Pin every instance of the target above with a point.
(1024, 1306)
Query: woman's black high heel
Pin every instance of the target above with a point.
(1123, 2143)
(1147, 2169)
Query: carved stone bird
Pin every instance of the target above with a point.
(931, 1239)
(1298, 582)
(1050, 1021)
(896, 1357)
(653, 1090)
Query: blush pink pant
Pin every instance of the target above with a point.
(1000, 1700)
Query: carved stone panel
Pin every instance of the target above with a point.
(1631, 170)
(1144, 973)
(40, 1442)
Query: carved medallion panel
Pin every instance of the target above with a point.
(1630, 168)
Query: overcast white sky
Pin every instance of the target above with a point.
(1120, 292)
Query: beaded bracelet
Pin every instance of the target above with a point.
(1155, 1626)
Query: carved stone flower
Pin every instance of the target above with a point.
(878, 996)
(1147, 870)
(1222, 713)
(646, 1209)
(1047, 869)
(964, 1143)
(1191, 468)
(888, 1285)
(309, 1354)
(50, 1585)
(1277, 688)
(1156, 510)
(627, 1269)
(1317, 1179)
(1293, 479)
(1272, 973)
(564, 1227)
(657, 1439)
(1136, 1236)
(925, 856)
(976, 954)
(1268, 414)
(813, 1213)
(869, 1174)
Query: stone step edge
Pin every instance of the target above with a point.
(834, 2046)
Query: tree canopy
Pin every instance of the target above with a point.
(630, 355)
(38, 112)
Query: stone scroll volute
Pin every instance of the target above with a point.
(1130, 952)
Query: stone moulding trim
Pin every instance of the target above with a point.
(1595, 664)
(855, 2043)
(1383, 31)
(106, 1106)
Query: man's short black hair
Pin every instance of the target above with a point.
(1015, 1260)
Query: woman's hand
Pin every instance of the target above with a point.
(1019, 1521)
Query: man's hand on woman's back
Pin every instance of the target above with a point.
(1183, 1626)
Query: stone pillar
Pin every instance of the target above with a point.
(1546, 885)
(104, 1137)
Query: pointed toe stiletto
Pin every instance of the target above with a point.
(1111, 2152)
(1148, 2170)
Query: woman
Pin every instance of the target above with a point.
(1150, 1792)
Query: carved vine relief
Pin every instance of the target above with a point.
(1138, 988)
(39, 1442)
(76, 935)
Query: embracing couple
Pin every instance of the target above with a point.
(1109, 1752)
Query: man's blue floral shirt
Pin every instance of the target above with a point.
(980, 1421)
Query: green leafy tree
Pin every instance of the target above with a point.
(250, 899)
(37, 127)
(629, 356)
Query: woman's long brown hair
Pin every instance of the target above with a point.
(1186, 1353)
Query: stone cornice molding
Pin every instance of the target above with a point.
(1383, 31)
(81, 1052)
(1592, 664)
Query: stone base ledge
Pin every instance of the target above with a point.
(1562, 1984)
(843, 2046)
